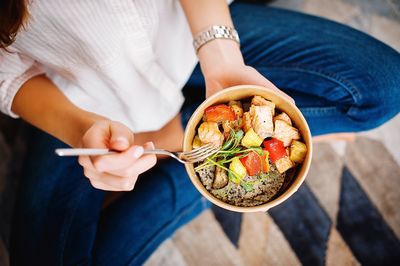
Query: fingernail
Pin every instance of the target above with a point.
(122, 140)
(138, 151)
(151, 144)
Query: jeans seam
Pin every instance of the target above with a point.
(347, 85)
(169, 224)
(319, 110)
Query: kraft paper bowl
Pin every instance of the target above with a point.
(282, 104)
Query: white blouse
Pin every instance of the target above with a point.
(124, 59)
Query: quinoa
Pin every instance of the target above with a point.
(264, 188)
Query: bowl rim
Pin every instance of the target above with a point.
(266, 206)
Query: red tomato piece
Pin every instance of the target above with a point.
(253, 163)
(275, 148)
(265, 165)
(219, 113)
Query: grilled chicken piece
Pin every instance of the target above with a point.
(196, 142)
(260, 101)
(284, 117)
(209, 133)
(221, 178)
(246, 121)
(261, 120)
(237, 108)
(283, 164)
(285, 132)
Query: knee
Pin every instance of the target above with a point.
(377, 84)
(378, 104)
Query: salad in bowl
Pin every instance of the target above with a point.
(265, 148)
(258, 147)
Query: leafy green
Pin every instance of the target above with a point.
(228, 143)
(230, 150)
(234, 178)
(247, 186)
(263, 176)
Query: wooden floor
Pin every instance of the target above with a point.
(203, 242)
(261, 242)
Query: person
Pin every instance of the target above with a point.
(110, 74)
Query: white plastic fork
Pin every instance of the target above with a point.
(193, 156)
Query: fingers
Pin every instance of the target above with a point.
(109, 181)
(97, 135)
(257, 79)
(243, 75)
(141, 165)
(108, 134)
(116, 161)
(118, 172)
(102, 186)
(121, 137)
(212, 87)
(115, 136)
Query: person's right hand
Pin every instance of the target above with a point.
(119, 171)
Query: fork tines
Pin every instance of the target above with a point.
(201, 153)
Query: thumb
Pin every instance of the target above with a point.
(121, 137)
(212, 87)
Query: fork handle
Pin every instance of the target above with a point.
(87, 151)
(82, 151)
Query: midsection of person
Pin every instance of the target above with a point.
(121, 66)
(119, 54)
(113, 75)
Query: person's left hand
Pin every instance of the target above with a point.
(222, 65)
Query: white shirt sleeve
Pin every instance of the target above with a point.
(15, 70)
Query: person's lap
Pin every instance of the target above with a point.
(343, 80)
(131, 228)
(331, 71)
(54, 202)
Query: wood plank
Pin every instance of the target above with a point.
(340, 11)
(167, 254)
(378, 174)
(391, 33)
(202, 242)
(338, 252)
(262, 243)
(388, 134)
(339, 146)
(324, 178)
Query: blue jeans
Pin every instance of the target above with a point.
(342, 79)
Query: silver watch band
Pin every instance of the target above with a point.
(215, 32)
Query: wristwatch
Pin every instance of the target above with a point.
(215, 32)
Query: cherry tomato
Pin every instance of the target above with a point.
(219, 113)
(254, 163)
(265, 163)
(275, 149)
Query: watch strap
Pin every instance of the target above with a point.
(215, 32)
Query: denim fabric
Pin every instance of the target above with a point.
(58, 218)
(342, 79)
